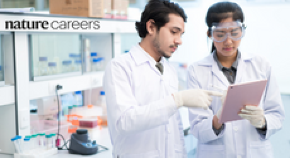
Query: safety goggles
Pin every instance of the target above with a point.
(221, 31)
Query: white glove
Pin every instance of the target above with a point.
(196, 98)
(254, 114)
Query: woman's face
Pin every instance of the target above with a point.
(229, 47)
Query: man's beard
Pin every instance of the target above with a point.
(156, 45)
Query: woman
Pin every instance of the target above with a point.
(247, 138)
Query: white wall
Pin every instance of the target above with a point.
(267, 34)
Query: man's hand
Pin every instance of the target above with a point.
(195, 98)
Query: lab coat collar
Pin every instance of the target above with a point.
(210, 62)
(141, 56)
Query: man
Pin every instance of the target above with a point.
(141, 89)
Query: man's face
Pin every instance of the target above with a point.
(168, 38)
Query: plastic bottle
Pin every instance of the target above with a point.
(95, 64)
(33, 140)
(70, 108)
(93, 55)
(102, 63)
(17, 145)
(78, 65)
(48, 142)
(66, 66)
(26, 145)
(52, 68)
(53, 139)
(41, 139)
(78, 98)
(103, 103)
(42, 64)
(64, 104)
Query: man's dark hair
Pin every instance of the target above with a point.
(158, 11)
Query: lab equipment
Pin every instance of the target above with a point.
(26, 145)
(53, 139)
(17, 144)
(33, 141)
(48, 142)
(88, 123)
(70, 108)
(43, 68)
(221, 31)
(66, 66)
(78, 98)
(94, 55)
(239, 95)
(78, 65)
(80, 143)
(52, 68)
(98, 64)
(41, 139)
(103, 103)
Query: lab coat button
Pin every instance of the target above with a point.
(236, 128)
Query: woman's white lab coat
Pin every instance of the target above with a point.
(143, 118)
(239, 139)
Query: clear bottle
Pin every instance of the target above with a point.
(33, 140)
(94, 64)
(66, 66)
(78, 98)
(16, 143)
(26, 145)
(102, 63)
(78, 65)
(103, 102)
(41, 139)
(42, 64)
(70, 109)
(93, 56)
(1, 74)
(52, 68)
(72, 57)
(53, 139)
(48, 142)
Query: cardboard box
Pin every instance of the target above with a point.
(124, 9)
(85, 8)
(116, 9)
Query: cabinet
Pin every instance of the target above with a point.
(36, 60)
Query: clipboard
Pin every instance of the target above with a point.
(238, 95)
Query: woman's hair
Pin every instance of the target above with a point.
(220, 11)
(158, 11)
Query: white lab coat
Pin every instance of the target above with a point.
(143, 118)
(239, 139)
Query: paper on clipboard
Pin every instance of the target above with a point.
(238, 95)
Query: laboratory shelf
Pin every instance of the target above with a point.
(25, 46)
(69, 84)
(7, 95)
